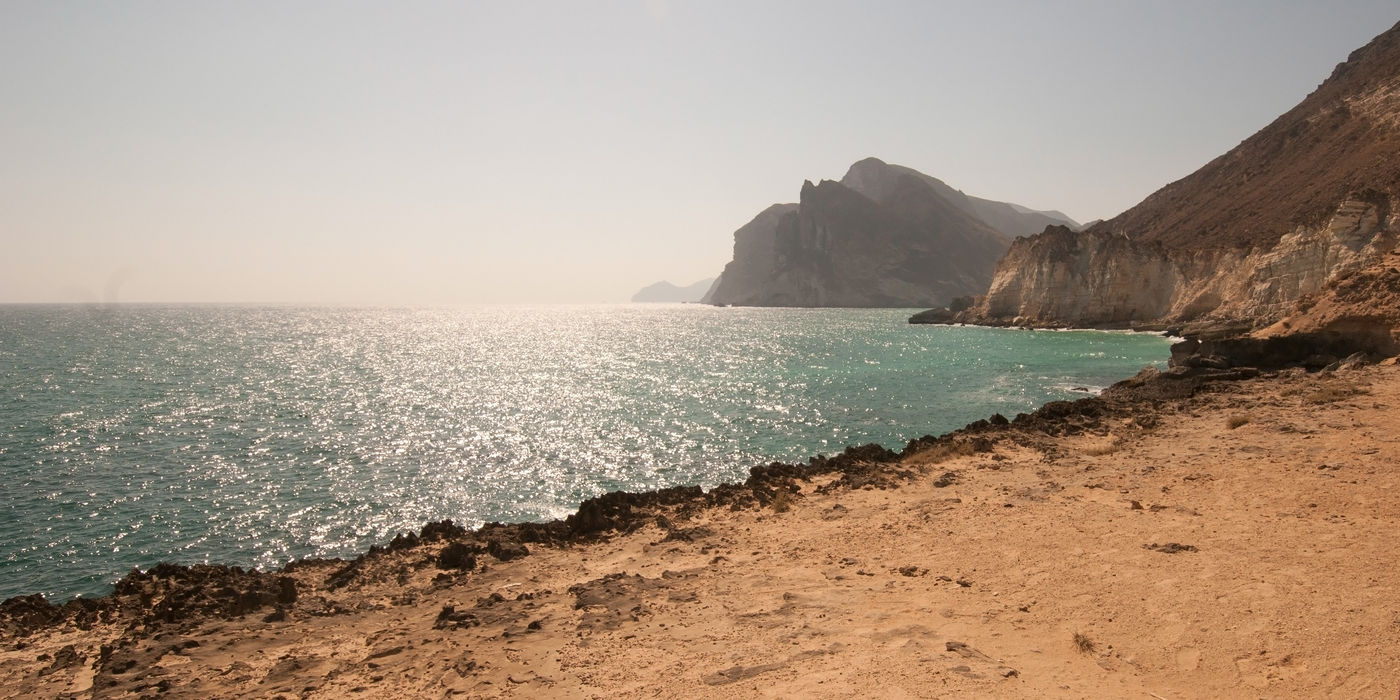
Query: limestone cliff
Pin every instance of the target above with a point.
(884, 236)
(1103, 279)
(1235, 246)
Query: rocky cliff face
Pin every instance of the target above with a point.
(885, 236)
(1234, 247)
(1102, 279)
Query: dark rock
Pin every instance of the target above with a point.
(1170, 547)
(506, 550)
(451, 618)
(442, 530)
(933, 316)
(24, 614)
(67, 657)
(1313, 351)
(402, 541)
(1208, 361)
(286, 590)
(459, 556)
(1318, 361)
(186, 593)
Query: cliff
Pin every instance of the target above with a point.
(884, 236)
(1285, 216)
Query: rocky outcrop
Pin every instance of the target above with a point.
(1061, 277)
(885, 236)
(1363, 305)
(1287, 215)
(1103, 279)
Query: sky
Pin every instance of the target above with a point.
(457, 153)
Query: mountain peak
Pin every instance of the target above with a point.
(884, 235)
(882, 181)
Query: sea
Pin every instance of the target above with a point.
(256, 435)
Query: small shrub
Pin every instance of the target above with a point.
(1083, 643)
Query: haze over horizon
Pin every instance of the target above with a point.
(463, 153)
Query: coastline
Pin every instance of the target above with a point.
(595, 583)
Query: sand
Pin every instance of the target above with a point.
(1240, 543)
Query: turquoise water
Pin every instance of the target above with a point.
(255, 435)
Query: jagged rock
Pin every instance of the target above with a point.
(22, 614)
(458, 555)
(66, 657)
(506, 550)
(442, 530)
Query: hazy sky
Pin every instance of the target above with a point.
(474, 152)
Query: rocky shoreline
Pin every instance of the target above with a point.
(172, 593)
(124, 642)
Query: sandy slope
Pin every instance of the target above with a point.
(969, 580)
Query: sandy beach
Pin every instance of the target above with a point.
(1238, 543)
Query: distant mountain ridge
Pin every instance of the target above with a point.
(665, 292)
(884, 236)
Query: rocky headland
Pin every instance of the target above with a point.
(1249, 243)
(883, 236)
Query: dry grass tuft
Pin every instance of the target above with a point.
(782, 501)
(1107, 446)
(942, 453)
(1083, 643)
(1333, 393)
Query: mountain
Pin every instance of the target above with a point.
(874, 178)
(884, 236)
(667, 292)
(1237, 245)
